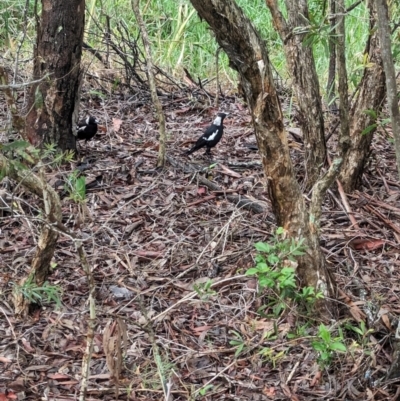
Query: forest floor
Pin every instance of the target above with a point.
(156, 240)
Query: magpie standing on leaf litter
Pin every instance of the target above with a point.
(212, 135)
(87, 129)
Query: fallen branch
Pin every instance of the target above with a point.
(17, 121)
(383, 218)
(40, 267)
(23, 85)
(202, 200)
(238, 200)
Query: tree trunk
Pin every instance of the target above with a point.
(58, 52)
(343, 89)
(152, 83)
(390, 73)
(370, 96)
(248, 55)
(301, 66)
(330, 86)
(40, 267)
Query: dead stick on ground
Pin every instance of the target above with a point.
(345, 202)
(240, 201)
(202, 200)
(385, 220)
(91, 322)
(347, 206)
(193, 295)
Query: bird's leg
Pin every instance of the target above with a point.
(78, 148)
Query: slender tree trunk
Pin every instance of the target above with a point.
(342, 70)
(58, 52)
(152, 83)
(390, 73)
(364, 111)
(330, 86)
(248, 55)
(40, 267)
(301, 65)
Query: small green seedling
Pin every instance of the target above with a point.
(76, 187)
(39, 294)
(274, 270)
(326, 346)
(204, 290)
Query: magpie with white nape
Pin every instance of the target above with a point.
(87, 129)
(212, 135)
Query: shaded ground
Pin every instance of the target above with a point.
(152, 237)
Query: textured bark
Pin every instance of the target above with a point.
(390, 73)
(393, 106)
(301, 65)
(248, 55)
(343, 89)
(370, 96)
(18, 122)
(152, 83)
(40, 267)
(330, 86)
(58, 53)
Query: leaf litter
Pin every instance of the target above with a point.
(154, 237)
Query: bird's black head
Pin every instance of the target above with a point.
(219, 119)
(91, 120)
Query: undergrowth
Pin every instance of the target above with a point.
(181, 40)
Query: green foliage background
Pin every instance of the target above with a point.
(180, 39)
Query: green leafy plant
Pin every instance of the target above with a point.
(382, 123)
(272, 355)
(204, 290)
(273, 270)
(361, 330)
(76, 187)
(204, 390)
(299, 331)
(24, 156)
(238, 342)
(45, 293)
(327, 346)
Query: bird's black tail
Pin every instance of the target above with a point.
(190, 151)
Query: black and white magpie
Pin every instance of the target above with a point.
(87, 129)
(212, 135)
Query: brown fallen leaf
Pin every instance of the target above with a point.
(27, 346)
(205, 199)
(270, 392)
(116, 124)
(149, 255)
(315, 380)
(8, 396)
(367, 244)
(200, 329)
(201, 190)
(386, 321)
(354, 310)
(228, 171)
(58, 376)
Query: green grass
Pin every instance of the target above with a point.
(180, 39)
